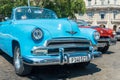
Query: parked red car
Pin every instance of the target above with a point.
(107, 36)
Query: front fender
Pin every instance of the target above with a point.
(24, 38)
(20, 33)
(88, 33)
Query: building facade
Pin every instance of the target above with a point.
(106, 12)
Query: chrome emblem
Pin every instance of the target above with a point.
(71, 32)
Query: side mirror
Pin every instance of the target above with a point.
(6, 18)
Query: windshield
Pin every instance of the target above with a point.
(34, 13)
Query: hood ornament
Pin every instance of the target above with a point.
(71, 32)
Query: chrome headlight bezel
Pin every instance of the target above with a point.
(96, 35)
(37, 34)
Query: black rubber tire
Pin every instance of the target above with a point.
(1, 51)
(103, 49)
(20, 68)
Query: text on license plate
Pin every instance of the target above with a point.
(78, 59)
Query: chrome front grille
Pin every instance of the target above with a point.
(68, 42)
(104, 37)
(70, 45)
(69, 50)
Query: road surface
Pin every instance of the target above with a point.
(105, 68)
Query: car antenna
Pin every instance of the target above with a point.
(28, 3)
(29, 10)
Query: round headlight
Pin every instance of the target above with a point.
(96, 35)
(37, 34)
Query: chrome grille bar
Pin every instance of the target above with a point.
(69, 44)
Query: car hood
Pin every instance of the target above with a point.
(104, 31)
(55, 27)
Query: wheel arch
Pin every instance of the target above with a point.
(14, 43)
(23, 69)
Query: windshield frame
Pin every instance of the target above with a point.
(14, 14)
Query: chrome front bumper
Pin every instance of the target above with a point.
(59, 59)
(97, 54)
(108, 41)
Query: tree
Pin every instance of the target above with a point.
(67, 8)
(63, 8)
(7, 5)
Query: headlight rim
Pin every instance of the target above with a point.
(33, 36)
(96, 33)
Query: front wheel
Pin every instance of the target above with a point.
(20, 68)
(103, 49)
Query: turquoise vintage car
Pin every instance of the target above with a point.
(35, 36)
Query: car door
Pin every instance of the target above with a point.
(5, 37)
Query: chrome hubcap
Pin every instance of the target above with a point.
(17, 59)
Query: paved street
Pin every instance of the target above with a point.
(105, 68)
